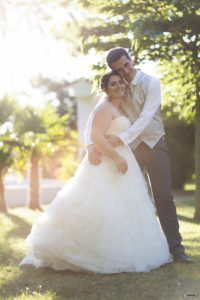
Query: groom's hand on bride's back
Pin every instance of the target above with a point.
(94, 155)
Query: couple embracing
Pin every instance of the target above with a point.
(103, 220)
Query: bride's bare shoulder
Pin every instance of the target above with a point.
(103, 108)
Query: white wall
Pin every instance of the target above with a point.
(85, 103)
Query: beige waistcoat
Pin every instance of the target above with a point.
(133, 106)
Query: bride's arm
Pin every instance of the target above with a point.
(101, 121)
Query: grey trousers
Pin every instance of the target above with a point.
(156, 162)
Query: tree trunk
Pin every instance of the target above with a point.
(197, 162)
(3, 207)
(34, 188)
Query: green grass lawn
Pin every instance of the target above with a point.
(170, 282)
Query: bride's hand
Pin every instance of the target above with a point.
(94, 155)
(121, 164)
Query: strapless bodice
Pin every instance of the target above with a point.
(118, 125)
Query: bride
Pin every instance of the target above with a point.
(102, 220)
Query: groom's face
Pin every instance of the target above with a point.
(124, 67)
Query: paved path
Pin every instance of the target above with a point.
(17, 194)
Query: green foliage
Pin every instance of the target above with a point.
(155, 24)
(7, 108)
(178, 90)
(28, 120)
(68, 164)
(5, 157)
(180, 140)
(27, 129)
(178, 114)
(59, 95)
(156, 30)
(37, 127)
(40, 131)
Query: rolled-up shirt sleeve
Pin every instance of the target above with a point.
(151, 105)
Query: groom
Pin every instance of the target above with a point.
(146, 138)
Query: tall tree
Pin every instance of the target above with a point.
(40, 131)
(5, 162)
(158, 30)
(7, 107)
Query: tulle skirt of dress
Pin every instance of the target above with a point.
(101, 221)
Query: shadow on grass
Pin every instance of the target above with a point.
(63, 284)
(9, 255)
(187, 219)
(160, 283)
(186, 202)
(168, 282)
(22, 228)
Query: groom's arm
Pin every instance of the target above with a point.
(151, 105)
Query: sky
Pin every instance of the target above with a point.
(20, 60)
(25, 53)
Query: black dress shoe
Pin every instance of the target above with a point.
(182, 258)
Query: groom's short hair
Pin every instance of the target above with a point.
(115, 54)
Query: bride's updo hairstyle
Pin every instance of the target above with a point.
(105, 79)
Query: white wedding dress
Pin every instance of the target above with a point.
(101, 221)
